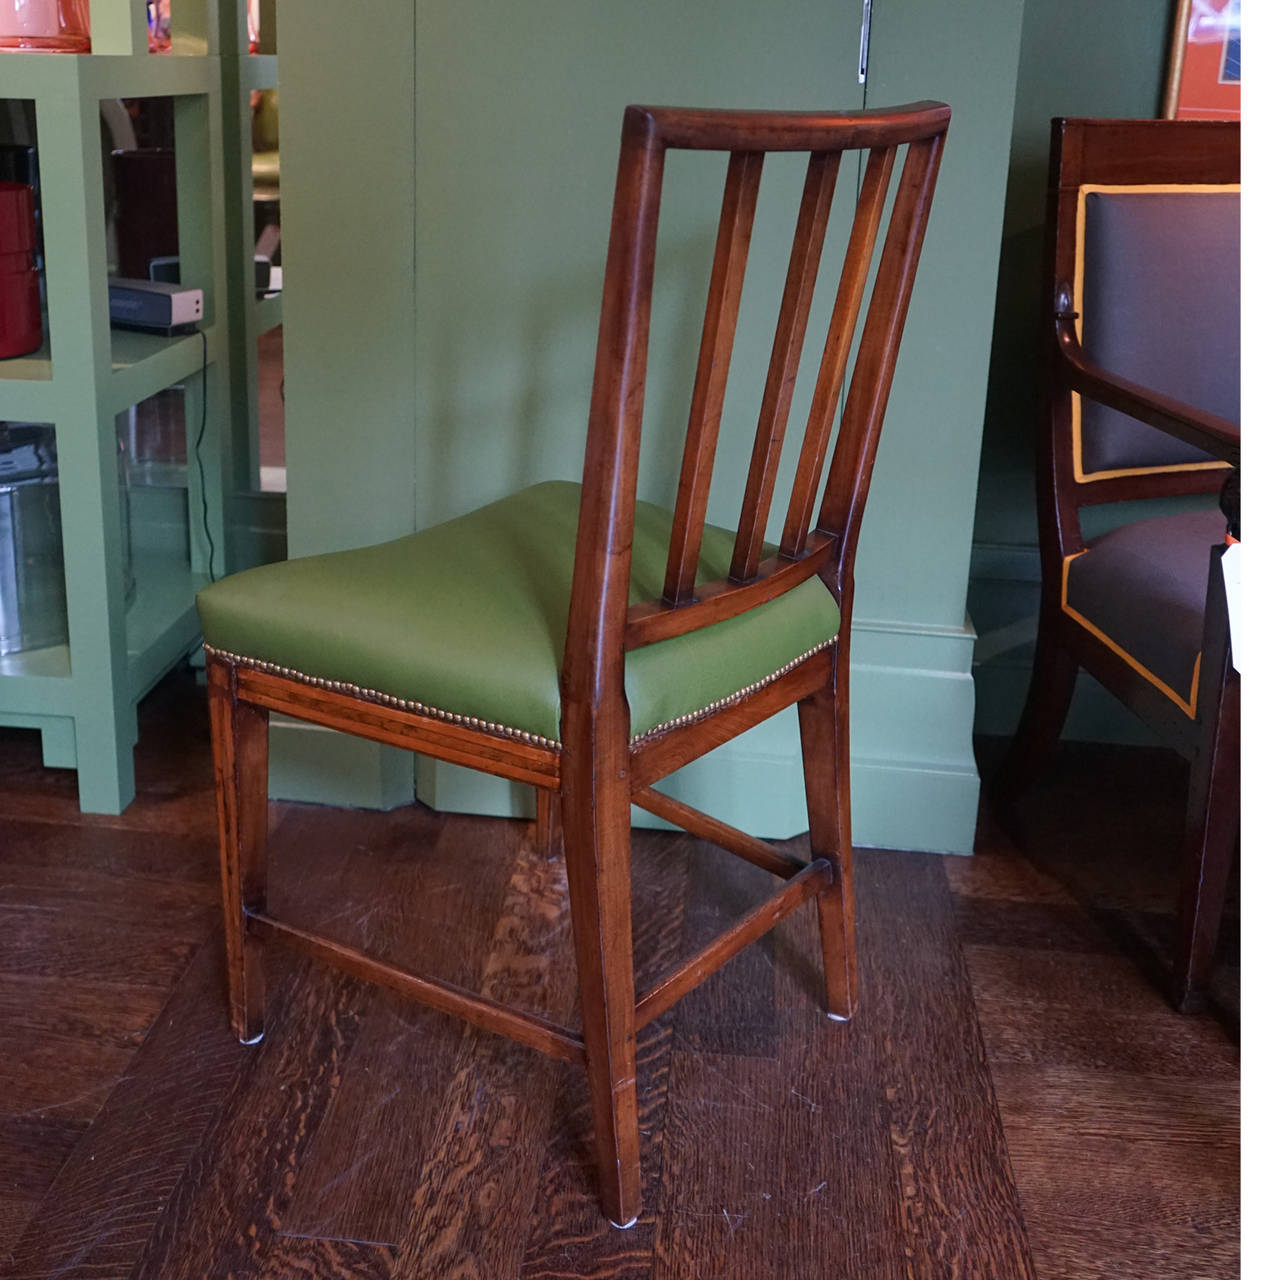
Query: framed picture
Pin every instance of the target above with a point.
(1203, 81)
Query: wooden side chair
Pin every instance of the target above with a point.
(589, 644)
(1142, 355)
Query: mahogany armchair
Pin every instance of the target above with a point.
(589, 644)
(1142, 356)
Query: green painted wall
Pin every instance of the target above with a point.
(448, 202)
(1093, 58)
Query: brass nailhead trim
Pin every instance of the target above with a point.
(721, 703)
(489, 726)
(374, 695)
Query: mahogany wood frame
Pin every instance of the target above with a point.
(1133, 153)
(589, 782)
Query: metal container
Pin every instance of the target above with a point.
(33, 592)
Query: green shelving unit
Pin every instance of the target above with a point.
(83, 695)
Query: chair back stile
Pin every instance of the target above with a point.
(601, 625)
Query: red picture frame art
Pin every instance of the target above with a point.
(1203, 82)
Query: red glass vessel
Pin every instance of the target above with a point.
(49, 26)
(20, 327)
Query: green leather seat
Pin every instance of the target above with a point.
(469, 618)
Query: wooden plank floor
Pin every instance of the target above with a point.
(1012, 1100)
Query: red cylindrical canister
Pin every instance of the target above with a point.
(20, 328)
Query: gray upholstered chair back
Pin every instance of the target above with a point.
(1158, 291)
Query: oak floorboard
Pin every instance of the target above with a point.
(176, 868)
(735, 1010)
(64, 1076)
(16, 1210)
(570, 1236)
(1036, 926)
(1158, 1110)
(470, 1212)
(313, 1258)
(837, 1145)
(1005, 978)
(1098, 1040)
(148, 953)
(723, 1190)
(429, 910)
(1003, 876)
(1108, 1206)
(222, 1214)
(1093, 1248)
(172, 770)
(102, 1205)
(728, 1197)
(144, 1124)
(960, 1207)
(32, 1150)
(221, 1217)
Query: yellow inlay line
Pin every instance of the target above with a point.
(1186, 705)
(1077, 286)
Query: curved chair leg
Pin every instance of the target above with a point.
(824, 743)
(597, 842)
(1213, 826)
(1053, 681)
(239, 733)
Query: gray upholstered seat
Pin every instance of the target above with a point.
(1141, 589)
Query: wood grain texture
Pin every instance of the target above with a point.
(773, 1142)
(361, 1173)
(749, 928)
(230, 1200)
(469, 1213)
(103, 1205)
(33, 1148)
(309, 1258)
(936, 1091)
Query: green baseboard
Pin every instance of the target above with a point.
(318, 766)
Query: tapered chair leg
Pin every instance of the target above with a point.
(1213, 828)
(597, 845)
(240, 779)
(824, 743)
(546, 825)
(1053, 681)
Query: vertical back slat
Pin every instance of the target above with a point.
(835, 355)
(737, 213)
(802, 273)
(846, 494)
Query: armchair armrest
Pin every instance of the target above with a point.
(1207, 431)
